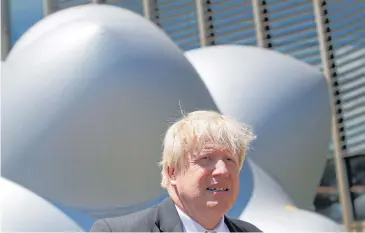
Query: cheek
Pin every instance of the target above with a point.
(204, 175)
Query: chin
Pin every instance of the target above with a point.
(219, 205)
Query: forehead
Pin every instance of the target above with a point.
(213, 148)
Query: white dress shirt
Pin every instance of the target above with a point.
(192, 226)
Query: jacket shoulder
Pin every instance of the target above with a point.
(244, 226)
(140, 221)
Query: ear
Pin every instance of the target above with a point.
(172, 175)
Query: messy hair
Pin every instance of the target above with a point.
(194, 130)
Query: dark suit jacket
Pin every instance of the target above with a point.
(160, 218)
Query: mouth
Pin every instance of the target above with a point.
(218, 189)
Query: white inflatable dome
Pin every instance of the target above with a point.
(272, 210)
(24, 211)
(86, 102)
(284, 100)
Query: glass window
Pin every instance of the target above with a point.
(327, 199)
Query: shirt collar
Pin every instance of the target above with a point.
(192, 226)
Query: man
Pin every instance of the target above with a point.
(202, 158)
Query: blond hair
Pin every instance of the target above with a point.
(195, 129)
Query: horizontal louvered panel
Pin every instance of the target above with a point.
(293, 30)
(348, 32)
(133, 5)
(351, 96)
(170, 6)
(179, 20)
(348, 29)
(227, 9)
(63, 4)
(355, 83)
(357, 103)
(233, 22)
(356, 144)
(356, 131)
(288, 8)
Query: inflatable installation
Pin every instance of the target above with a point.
(88, 93)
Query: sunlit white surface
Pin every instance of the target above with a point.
(86, 103)
(24, 211)
(285, 101)
(272, 210)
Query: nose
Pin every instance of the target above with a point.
(220, 169)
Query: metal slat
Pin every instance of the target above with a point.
(336, 7)
(351, 75)
(184, 27)
(360, 122)
(293, 26)
(287, 6)
(308, 33)
(356, 132)
(235, 32)
(220, 21)
(171, 5)
(358, 42)
(234, 38)
(350, 60)
(297, 48)
(358, 103)
(182, 36)
(348, 19)
(179, 21)
(306, 53)
(244, 27)
(232, 21)
(175, 15)
(280, 15)
(71, 3)
(347, 10)
(301, 44)
(348, 28)
(184, 18)
(354, 114)
(293, 30)
(291, 8)
(346, 51)
(124, 2)
(349, 97)
(357, 86)
(357, 142)
(228, 10)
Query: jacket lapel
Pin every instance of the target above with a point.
(231, 226)
(167, 218)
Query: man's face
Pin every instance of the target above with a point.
(210, 180)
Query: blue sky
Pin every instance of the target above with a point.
(23, 15)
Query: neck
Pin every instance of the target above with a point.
(209, 222)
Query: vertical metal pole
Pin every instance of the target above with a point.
(205, 23)
(261, 20)
(328, 61)
(150, 10)
(5, 29)
(49, 6)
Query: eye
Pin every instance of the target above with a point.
(230, 159)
